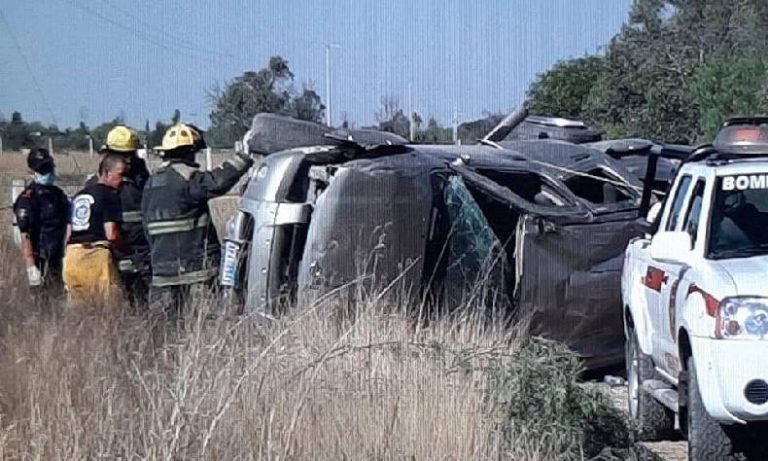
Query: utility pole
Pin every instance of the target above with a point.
(328, 116)
(50, 145)
(412, 134)
(455, 126)
(1, 145)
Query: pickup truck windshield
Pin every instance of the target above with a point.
(739, 224)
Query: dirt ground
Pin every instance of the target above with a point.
(670, 450)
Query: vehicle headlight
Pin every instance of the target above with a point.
(743, 318)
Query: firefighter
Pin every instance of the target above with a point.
(42, 212)
(184, 248)
(93, 233)
(133, 260)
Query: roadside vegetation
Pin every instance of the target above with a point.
(674, 72)
(313, 385)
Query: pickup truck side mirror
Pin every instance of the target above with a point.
(671, 247)
(653, 213)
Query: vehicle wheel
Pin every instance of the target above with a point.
(654, 421)
(707, 439)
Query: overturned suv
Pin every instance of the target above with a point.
(356, 212)
(696, 302)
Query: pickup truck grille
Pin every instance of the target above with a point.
(757, 391)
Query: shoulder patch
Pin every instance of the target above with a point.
(81, 212)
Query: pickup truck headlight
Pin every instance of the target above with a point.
(742, 318)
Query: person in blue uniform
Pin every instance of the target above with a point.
(42, 213)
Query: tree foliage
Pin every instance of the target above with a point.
(673, 73)
(564, 89)
(266, 90)
(391, 118)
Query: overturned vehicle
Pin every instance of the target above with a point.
(365, 212)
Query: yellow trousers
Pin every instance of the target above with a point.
(90, 276)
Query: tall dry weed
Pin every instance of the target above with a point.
(310, 385)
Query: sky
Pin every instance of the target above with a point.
(63, 61)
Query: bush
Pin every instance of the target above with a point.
(536, 396)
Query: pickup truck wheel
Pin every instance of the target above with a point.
(707, 439)
(653, 420)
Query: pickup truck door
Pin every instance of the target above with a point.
(660, 276)
(673, 291)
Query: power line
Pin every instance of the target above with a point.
(161, 32)
(29, 68)
(136, 34)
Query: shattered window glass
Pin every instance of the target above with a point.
(478, 269)
(527, 185)
(599, 187)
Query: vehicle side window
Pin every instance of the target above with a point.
(694, 211)
(677, 205)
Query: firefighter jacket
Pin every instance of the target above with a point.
(134, 256)
(43, 213)
(177, 221)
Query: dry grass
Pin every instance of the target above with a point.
(84, 385)
(77, 163)
(72, 169)
(74, 163)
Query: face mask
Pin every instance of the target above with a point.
(45, 179)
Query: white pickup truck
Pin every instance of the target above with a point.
(695, 297)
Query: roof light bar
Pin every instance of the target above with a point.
(743, 136)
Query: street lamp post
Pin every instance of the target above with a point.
(328, 115)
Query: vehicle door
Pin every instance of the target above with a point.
(658, 272)
(670, 294)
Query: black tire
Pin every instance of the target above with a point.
(653, 420)
(707, 439)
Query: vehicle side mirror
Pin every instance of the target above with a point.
(653, 213)
(671, 247)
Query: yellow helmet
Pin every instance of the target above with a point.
(182, 135)
(122, 139)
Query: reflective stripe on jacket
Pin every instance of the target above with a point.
(184, 247)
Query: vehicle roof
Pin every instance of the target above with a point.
(561, 153)
(562, 156)
(625, 146)
(727, 167)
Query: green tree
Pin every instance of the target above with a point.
(734, 86)
(434, 133)
(563, 90)
(17, 133)
(654, 77)
(307, 106)
(265, 90)
(76, 139)
(390, 117)
(155, 137)
(470, 132)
